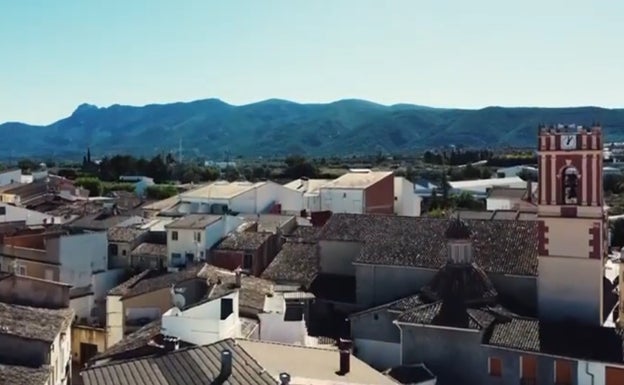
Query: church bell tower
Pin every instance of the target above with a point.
(572, 224)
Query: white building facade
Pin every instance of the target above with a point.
(206, 323)
(191, 240)
(406, 201)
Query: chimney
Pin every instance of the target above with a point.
(344, 347)
(171, 344)
(238, 273)
(226, 367)
(284, 378)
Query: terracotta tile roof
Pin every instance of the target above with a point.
(434, 314)
(304, 234)
(150, 280)
(21, 375)
(99, 221)
(295, 263)
(592, 343)
(196, 365)
(132, 341)
(34, 323)
(508, 247)
(150, 249)
(406, 303)
(125, 234)
(245, 240)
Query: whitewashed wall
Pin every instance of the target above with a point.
(342, 200)
(201, 324)
(81, 255)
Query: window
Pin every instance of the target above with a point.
(495, 367)
(227, 308)
(174, 235)
(570, 185)
(87, 351)
(123, 252)
(198, 237)
(176, 257)
(21, 269)
(247, 262)
(563, 372)
(113, 250)
(528, 366)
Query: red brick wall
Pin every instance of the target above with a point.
(227, 259)
(31, 241)
(380, 196)
(262, 257)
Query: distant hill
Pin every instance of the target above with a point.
(273, 127)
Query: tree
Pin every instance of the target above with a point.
(160, 191)
(466, 200)
(297, 167)
(27, 164)
(231, 174)
(617, 233)
(157, 169)
(94, 185)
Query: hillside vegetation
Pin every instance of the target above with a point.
(212, 128)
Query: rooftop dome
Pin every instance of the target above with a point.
(457, 229)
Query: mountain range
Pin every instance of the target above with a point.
(212, 128)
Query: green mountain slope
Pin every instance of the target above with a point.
(278, 127)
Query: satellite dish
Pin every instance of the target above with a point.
(179, 301)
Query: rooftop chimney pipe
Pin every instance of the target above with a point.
(344, 347)
(284, 378)
(238, 272)
(226, 367)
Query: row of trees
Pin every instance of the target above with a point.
(461, 157)
(456, 157)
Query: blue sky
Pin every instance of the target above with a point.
(57, 54)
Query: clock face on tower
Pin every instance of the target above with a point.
(568, 142)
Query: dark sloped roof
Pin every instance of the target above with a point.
(132, 341)
(467, 281)
(21, 375)
(406, 303)
(410, 374)
(151, 280)
(295, 263)
(560, 339)
(98, 221)
(245, 240)
(508, 247)
(435, 314)
(191, 366)
(33, 323)
(124, 234)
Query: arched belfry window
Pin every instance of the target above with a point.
(570, 185)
